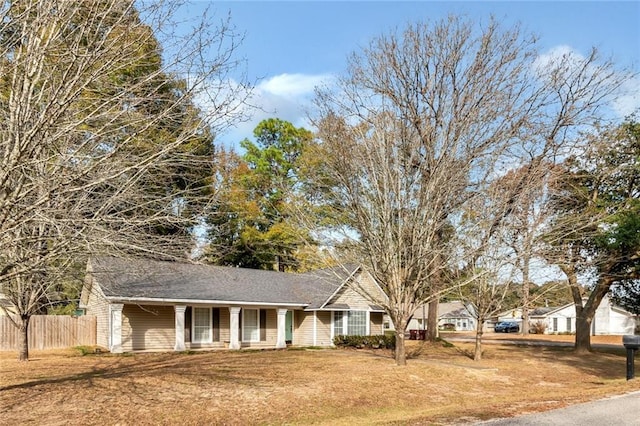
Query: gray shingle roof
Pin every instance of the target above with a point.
(537, 312)
(149, 279)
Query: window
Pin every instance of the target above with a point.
(337, 323)
(555, 324)
(352, 323)
(357, 323)
(201, 325)
(569, 324)
(250, 325)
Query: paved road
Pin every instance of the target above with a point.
(615, 411)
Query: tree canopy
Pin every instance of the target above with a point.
(102, 148)
(418, 129)
(596, 225)
(250, 226)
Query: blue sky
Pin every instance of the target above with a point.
(292, 46)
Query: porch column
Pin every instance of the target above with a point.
(179, 309)
(116, 327)
(281, 335)
(234, 324)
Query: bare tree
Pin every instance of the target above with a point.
(100, 135)
(425, 119)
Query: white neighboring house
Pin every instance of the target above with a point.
(608, 319)
(457, 313)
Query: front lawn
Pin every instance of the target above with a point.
(439, 385)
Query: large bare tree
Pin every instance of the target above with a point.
(100, 135)
(425, 119)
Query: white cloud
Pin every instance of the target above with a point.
(622, 105)
(292, 85)
(556, 54)
(629, 100)
(285, 96)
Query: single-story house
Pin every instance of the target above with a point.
(157, 305)
(460, 316)
(608, 319)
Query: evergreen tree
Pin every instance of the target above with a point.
(251, 227)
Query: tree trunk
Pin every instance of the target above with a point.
(583, 333)
(23, 342)
(477, 353)
(432, 321)
(584, 315)
(525, 296)
(400, 353)
(401, 327)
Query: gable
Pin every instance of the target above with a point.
(359, 292)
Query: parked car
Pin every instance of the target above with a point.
(507, 327)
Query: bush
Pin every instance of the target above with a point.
(538, 327)
(370, 342)
(89, 350)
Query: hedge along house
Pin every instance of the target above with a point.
(155, 305)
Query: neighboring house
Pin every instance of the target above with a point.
(155, 305)
(460, 316)
(608, 319)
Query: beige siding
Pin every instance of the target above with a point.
(272, 327)
(98, 306)
(225, 320)
(304, 327)
(375, 323)
(323, 329)
(148, 328)
(359, 294)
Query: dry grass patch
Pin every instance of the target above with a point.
(440, 385)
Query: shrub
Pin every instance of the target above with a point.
(538, 327)
(370, 342)
(89, 350)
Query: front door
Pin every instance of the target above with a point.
(288, 327)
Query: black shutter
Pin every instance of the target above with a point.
(187, 324)
(215, 322)
(263, 325)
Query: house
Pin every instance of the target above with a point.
(608, 319)
(456, 313)
(155, 305)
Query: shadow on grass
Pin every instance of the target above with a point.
(220, 366)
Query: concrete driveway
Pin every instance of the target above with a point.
(620, 410)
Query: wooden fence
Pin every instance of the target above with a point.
(50, 332)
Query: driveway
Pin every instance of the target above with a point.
(617, 410)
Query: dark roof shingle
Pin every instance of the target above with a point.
(150, 279)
